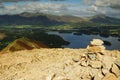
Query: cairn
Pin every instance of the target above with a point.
(96, 46)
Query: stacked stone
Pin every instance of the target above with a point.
(96, 46)
(106, 67)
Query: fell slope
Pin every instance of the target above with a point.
(23, 44)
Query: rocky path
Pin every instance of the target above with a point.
(60, 64)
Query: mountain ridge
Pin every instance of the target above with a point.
(50, 20)
(23, 44)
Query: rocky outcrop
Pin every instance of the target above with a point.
(60, 64)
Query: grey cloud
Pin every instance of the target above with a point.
(107, 7)
(34, 7)
(107, 3)
(26, 0)
(16, 0)
(1, 5)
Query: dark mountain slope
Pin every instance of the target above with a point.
(104, 19)
(32, 20)
(51, 20)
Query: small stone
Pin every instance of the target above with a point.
(84, 63)
(96, 42)
(98, 76)
(105, 71)
(99, 57)
(117, 62)
(115, 70)
(95, 64)
(96, 49)
(86, 75)
(83, 57)
(76, 59)
(50, 76)
(92, 56)
(93, 71)
(110, 76)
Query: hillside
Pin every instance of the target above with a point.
(23, 44)
(27, 20)
(61, 64)
(53, 20)
(104, 19)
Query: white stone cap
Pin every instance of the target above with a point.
(96, 42)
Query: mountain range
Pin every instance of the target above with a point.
(50, 20)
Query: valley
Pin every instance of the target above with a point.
(35, 26)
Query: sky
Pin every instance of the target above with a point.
(81, 8)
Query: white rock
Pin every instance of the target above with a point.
(115, 70)
(93, 71)
(107, 62)
(117, 62)
(98, 76)
(84, 63)
(95, 64)
(96, 42)
(92, 56)
(99, 57)
(50, 76)
(110, 76)
(76, 58)
(105, 71)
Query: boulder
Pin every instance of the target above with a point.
(91, 56)
(96, 42)
(110, 76)
(50, 76)
(107, 62)
(117, 62)
(98, 76)
(76, 58)
(95, 64)
(99, 57)
(115, 70)
(105, 71)
(84, 63)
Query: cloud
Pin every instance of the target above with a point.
(107, 7)
(108, 3)
(104, 3)
(34, 7)
(26, 0)
(59, 7)
(1, 5)
(15, 0)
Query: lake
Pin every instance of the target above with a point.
(81, 41)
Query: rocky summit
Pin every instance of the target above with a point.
(61, 64)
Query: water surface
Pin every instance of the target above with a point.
(81, 41)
